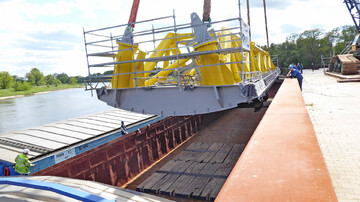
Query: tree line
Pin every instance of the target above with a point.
(307, 47)
(36, 78)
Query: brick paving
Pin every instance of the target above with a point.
(334, 109)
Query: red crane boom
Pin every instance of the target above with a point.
(133, 14)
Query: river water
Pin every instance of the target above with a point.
(30, 111)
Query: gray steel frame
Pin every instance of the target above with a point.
(175, 101)
(185, 97)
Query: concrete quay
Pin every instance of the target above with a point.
(334, 109)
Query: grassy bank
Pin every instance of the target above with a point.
(36, 89)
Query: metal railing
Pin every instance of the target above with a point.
(101, 53)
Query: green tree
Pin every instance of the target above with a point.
(17, 78)
(63, 77)
(72, 81)
(49, 79)
(35, 77)
(80, 79)
(308, 46)
(41, 82)
(109, 72)
(57, 82)
(6, 80)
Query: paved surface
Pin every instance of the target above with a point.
(334, 109)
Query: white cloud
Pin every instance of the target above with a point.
(48, 35)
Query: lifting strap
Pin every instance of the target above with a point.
(207, 8)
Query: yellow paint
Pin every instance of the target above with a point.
(168, 42)
(212, 74)
(139, 68)
(260, 59)
(163, 74)
(191, 72)
(122, 81)
(216, 74)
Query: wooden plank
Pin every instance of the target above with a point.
(195, 154)
(227, 147)
(147, 184)
(209, 169)
(183, 181)
(238, 148)
(212, 189)
(170, 165)
(178, 187)
(196, 167)
(195, 187)
(207, 156)
(234, 154)
(199, 146)
(182, 156)
(215, 146)
(165, 183)
(169, 179)
(225, 169)
(220, 156)
(156, 181)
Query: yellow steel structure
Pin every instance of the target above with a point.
(260, 59)
(163, 74)
(217, 74)
(168, 43)
(125, 54)
(211, 66)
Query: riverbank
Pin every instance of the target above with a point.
(11, 93)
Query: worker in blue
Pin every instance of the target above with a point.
(300, 67)
(123, 128)
(293, 66)
(22, 163)
(294, 73)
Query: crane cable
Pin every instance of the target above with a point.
(266, 27)
(248, 15)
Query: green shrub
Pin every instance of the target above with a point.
(6, 80)
(19, 86)
(72, 81)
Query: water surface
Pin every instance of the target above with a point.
(30, 111)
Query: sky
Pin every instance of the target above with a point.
(48, 35)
